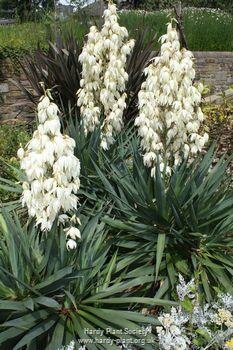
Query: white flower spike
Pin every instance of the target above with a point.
(52, 171)
(104, 77)
(169, 114)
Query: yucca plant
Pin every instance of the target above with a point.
(179, 225)
(165, 227)
(89, 152)
(49, 296)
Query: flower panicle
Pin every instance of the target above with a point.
(104, 77)
(52, 171)
(170, 117)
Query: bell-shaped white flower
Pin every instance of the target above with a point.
(71, 244)
(73, 233)
(20, 153)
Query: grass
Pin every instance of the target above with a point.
(20, 38)
(23, 36)
(209, 30)
(206, 30)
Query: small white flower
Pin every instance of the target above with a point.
(71, 244)
(20, 153)
(44, 103)
(73, 233)
(185, 289)
(70, 346)
(63, 218)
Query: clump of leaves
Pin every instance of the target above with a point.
(57, 68)
(179, 225)
(49, 296)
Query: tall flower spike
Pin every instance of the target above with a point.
(169, 114)
(116, 48)
(52, 170)
(104, 77)
(90, 84)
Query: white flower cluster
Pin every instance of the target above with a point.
(181, 328)
(104, 77)
(184, 289)
(169, 114)
(52, 172)
(70, 346)
(172, 333)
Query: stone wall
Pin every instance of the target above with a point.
(213, 68)
(14, 105)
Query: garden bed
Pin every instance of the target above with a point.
(118, 225)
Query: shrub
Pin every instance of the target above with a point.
(195, 323)
(219, 117)
(225, 5)
(219, 122)
(58, 68)
(206, 30)
(49, 297)
(11, 137)
(183, 225)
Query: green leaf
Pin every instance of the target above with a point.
(26, 321)
(164, 286)
(136, 300)
(187, 305)
(49, 302)
(10, 334)
(205, 283)
(57, 337)
(159, 252)
(35, 332)
(29, 304)
(58, 275)
(204, 334)
(12, 305)
(171, 270)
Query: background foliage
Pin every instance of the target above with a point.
(206, 30)
(25, 9)
(160, 4)
(11, 137)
